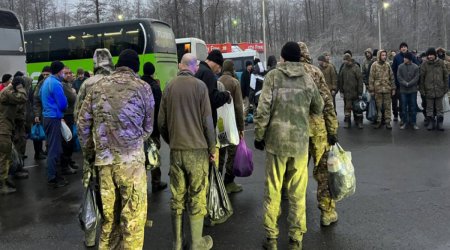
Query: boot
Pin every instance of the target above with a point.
(177, 231)
(294, 244)
(159, 187)
(440, 123)
(347, 122)
(198, 242)
(270, 244)
(328, 214)
(359, 121)
(233, 187)
(431, 122)
(4, 189)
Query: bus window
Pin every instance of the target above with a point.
(127, 37)
(183, 48)
(11, 40)
(164, 39)
(41, 49)
(9, 21)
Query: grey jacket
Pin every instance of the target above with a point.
(408, 76)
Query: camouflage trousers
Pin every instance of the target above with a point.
(384, 101)
(123, 190)
(293, 173)
(226, 157)
(189, 180)
(319, 149)
(5, 156)
(20, 138)
(348, 109)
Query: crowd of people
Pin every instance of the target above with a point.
(116, 113)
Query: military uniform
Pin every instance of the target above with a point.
(288, 97)
(9, 100)
(366, 66)
(113, 122)
(320, 128)
(381, 84)
(186, 124)
(351, 86)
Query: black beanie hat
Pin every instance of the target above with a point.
(321, 58)
(149, 69)
(248, 63)
(375, 53)
(403, 44)
(348, 52)
(216, 56)
(56, 67)
(129, 58)
(18, 73)
(409, 56)
(291, 52)
(47, 69)
(6, 77)
(17, 81)
(431, 51)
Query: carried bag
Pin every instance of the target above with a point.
(218, 204)
(446, 103)
(226, 129)
(371, 114)
(37, 132)
(243, 160)
(89, 215)
(66, 132)
(341, 173)
(17, 160)
(152, 154)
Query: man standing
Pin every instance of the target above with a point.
(382, 86)
(185, 123)
(245, 86)
(149, 70)
(54, 103)
(408, 76)
(399, 59)
(207, 73)
(322, 133)
(366, 66)
(329, 72)
(68, 166)
(350, 84)
(12, 95)
(80, 79)
(288, 97)
(434, 85)
(114, 121)
(226, 154)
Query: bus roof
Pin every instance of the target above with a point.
(92, 25)
(189, 39)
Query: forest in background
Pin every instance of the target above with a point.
(325, 25)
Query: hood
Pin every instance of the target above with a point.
(103, 60)
(291, 69)
(368, 50)
(304, 53)
(379, 54)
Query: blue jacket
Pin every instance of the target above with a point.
(398, 59)
(54, 102)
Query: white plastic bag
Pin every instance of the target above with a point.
(226, 129)
(66, 132)
(341, 173)
(446, 103)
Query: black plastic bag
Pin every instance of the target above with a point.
(89, 215)
(17, 161)
(371, 113)
(218, 204)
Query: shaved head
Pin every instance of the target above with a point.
(188, 62)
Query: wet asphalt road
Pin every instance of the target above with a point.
(402, 200)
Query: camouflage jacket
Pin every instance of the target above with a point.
(350, 81)
(288, 97)
(327, 122)
(115, 119)
(329, 72)
(381, 78)
(86, 87)
(433, 79)
(9, 101)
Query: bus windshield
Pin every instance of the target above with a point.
(10, 32)
(164, 39)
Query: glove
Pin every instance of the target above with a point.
(332, 139)
(260, 145)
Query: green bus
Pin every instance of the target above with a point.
(153, 40)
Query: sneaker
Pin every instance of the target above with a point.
(68, 171)
(58, 182)
(294, 244)
(403, 126)
(270, 244)
(21, 174)
(233, 188)
(416, 127)
(377, 125)
(4, 189)
(328, 218)
(74, 165)
(159, 187)
(388, 126)
(39, 157)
